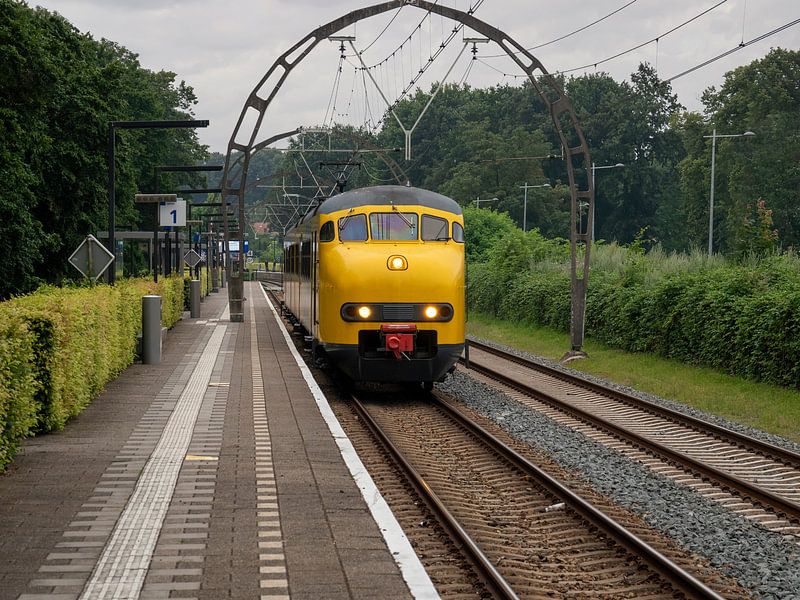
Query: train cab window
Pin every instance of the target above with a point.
(458, 233)
(434, 229)
(393, 226)
(326, 233)
(353, 228)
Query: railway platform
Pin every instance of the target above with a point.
(218, 473)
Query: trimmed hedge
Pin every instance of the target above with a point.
(60, 346)
(739, 319)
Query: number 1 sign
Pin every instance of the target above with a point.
(172, 214)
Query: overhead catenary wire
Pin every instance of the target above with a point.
(334, 88)
(403, 43)
(433, 58)
(570, 34)
(389, 24)
(734, 49)
(638, 46)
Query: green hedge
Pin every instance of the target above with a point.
(744, 320)
(204, 286)
(60, 346)
(18, 385)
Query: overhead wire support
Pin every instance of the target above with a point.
(409, 132)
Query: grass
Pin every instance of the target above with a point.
(768, 407)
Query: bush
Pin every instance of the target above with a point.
(18, 384)
(60, 346)
(740, 318)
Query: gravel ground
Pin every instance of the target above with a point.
(671, 404)
(762, 561)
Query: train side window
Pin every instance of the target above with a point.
(458, 233)
(434, 229)
(353, 228)
(326, 233)
(393, 226)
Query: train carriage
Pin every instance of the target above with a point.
(376, 278)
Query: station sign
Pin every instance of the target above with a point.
(172, 214)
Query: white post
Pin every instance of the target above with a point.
(711, 200)
(525, 210)
(594, 192)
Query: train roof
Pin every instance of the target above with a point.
(388, 195)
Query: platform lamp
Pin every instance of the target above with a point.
(527, 187)
(596, 168)
(714, 137)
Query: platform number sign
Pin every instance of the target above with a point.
(172, 214)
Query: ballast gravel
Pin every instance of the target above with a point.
(765, 562)
(671, 404)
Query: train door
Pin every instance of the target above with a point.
(314, 283)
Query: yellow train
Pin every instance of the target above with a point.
(375, 276)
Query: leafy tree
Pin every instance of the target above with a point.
(482, 228)
(629, 123)
(762, 97)
(58, 91)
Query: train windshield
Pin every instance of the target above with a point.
(393, 226)
(434, 229)
(353, 228)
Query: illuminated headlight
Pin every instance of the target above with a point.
(397, 263)
(364, 312)
(431, 312)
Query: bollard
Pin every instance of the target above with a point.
(236, 299)
(214, 278)
(151, 330)
(194, 298)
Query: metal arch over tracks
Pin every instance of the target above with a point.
(575, 150)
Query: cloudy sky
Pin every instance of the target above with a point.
(223, 49)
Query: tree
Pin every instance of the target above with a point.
(763, 97)
(58, 91)
(629, 123)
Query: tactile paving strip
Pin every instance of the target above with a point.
(122, 567)
(272, 562)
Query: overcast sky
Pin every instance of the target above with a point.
(223, 49)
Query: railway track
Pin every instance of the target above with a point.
(524, 532)
(748, 469)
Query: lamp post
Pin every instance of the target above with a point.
(527, 187)
(478, 201)
(714, 137)
(596, 168)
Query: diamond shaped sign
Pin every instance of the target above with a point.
(191, 258)
(91, 258)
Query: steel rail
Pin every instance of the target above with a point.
(791, 459)
(483, 566)
(740, 487)
(677, 576)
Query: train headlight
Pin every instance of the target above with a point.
(397, 263)
(431, 312)
(364, 312)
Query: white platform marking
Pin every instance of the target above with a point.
(122, 567)
(407, 560)
(270, 545)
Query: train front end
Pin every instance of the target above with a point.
(391, 284)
